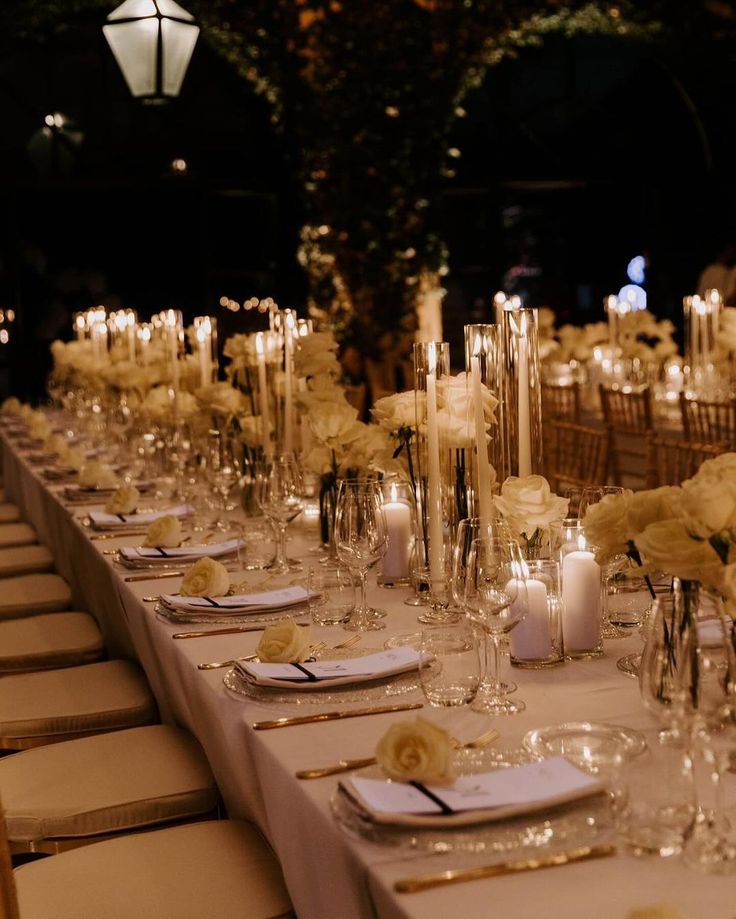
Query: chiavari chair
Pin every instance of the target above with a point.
(561, 403)
(708, 422)
(575, 454)
(629, 417)
(670, 462)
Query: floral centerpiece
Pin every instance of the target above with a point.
(528, 507)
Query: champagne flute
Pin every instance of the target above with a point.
(495, 598)
(361, 540)
(281, 497)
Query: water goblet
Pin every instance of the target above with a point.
(280, 495)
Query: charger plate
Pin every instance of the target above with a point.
(586, 822)
(584, 740)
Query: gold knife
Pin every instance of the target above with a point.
(157, 576)
(233, 630)
(119, 535)
(335, 716)
(459, 875)
(345, 765)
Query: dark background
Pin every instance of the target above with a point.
(573, 159)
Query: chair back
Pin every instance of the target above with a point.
(627, 412)
(575, 454)
(670, 462)
(8, 897)
(708, 422)
(561, 403)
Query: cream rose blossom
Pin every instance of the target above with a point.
(670, 546)
(527, 504)
(164, 533)
(55, 443)
(206, 578)
(124, 500)
(395, 412)
(606, 524)
(73, 457)
(96, 475)
(415, 751)
(283, 643)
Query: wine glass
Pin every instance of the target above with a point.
(495, 598)
(280, 494)
(222, 472)
(361, 540)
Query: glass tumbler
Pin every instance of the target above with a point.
(450, 668)
(332, 594)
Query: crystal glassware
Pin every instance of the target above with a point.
(281, 497)
(361, 540)
(450, 667)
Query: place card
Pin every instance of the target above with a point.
(495, 795)
(153, 553)
(101, 520)
(242, 603)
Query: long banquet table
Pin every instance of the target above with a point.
(331, 875)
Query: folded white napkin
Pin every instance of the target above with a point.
(310, 676)
(471, 799)
(153, 554)
(104, 521)
(239, 603)
(84, 491)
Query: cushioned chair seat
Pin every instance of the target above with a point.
(215, 869)
(33, 593)
(17, 534)
(49, 640)
(105, 784)
(9, 513)
(24, 560)
(57, 703)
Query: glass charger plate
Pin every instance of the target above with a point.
(585, 822)
(179, 617)
(400, 685)
(584, 740)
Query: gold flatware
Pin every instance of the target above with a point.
(460, 875)
(231, 630)
(347, 765)
(118, 535)
(335, 716)
(215, 665)
(154, 576)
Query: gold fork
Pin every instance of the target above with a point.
(347, 765)
(313, 649)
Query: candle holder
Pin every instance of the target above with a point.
(537, 641)
(484, 368)
(435, 494)
(702, 319)
(204, 346)
(522, 391)
(398, 505)
(582, 590)
(286, 327)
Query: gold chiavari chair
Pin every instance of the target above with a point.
(670, 462)
(630, 419)
(561, 403)
(708, 422)
(575, 455)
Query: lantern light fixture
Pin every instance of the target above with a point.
(153, 42)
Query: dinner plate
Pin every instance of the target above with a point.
(585, 742)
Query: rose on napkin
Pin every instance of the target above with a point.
(206, 578)
(283, 643)
(39, 428)
(96, 475)
(415, 751)
(124, 500)
(164, 533)
(73, 457)
(11, 405)
(55, 443)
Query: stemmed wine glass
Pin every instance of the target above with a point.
(280, 494)
(495, 597)
(221, 471)
(361, 540)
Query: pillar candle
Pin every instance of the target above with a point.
(485, 505)
(436, 536)
(581, 596)
(398, 527)
(531, 639)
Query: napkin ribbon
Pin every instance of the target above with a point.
(310, 676)
(445, 808)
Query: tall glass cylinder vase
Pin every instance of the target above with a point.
(204, 347)
(522, 391)
(435, 496)
(483, 366)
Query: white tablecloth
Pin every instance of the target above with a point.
(329, 874)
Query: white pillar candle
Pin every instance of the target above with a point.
(581, 596)
(205, 360)
(531, 639)
(436, 536)
(523, 418)
(485, 505)
(263, 395)
(398, 528)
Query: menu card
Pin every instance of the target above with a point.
(153, 553)
(110, 521)
(240, 603)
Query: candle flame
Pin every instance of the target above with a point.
(394, 492)
(477, 343)
(259, 343)
(582, 544)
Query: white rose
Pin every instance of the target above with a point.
(709, 504)
(11, 405)
(723, 465)
(39, 428)
(653, 506)
(206, 578)
(606, 525)
(96, 475)
(283, 643)
(669, 546)
(415, 751)
(55, 443)
(333, 425)
(221, 398)
(528, 503)
(124, 500)
(458, 399)
(73, 457)
(164, 533)
(396, 411)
